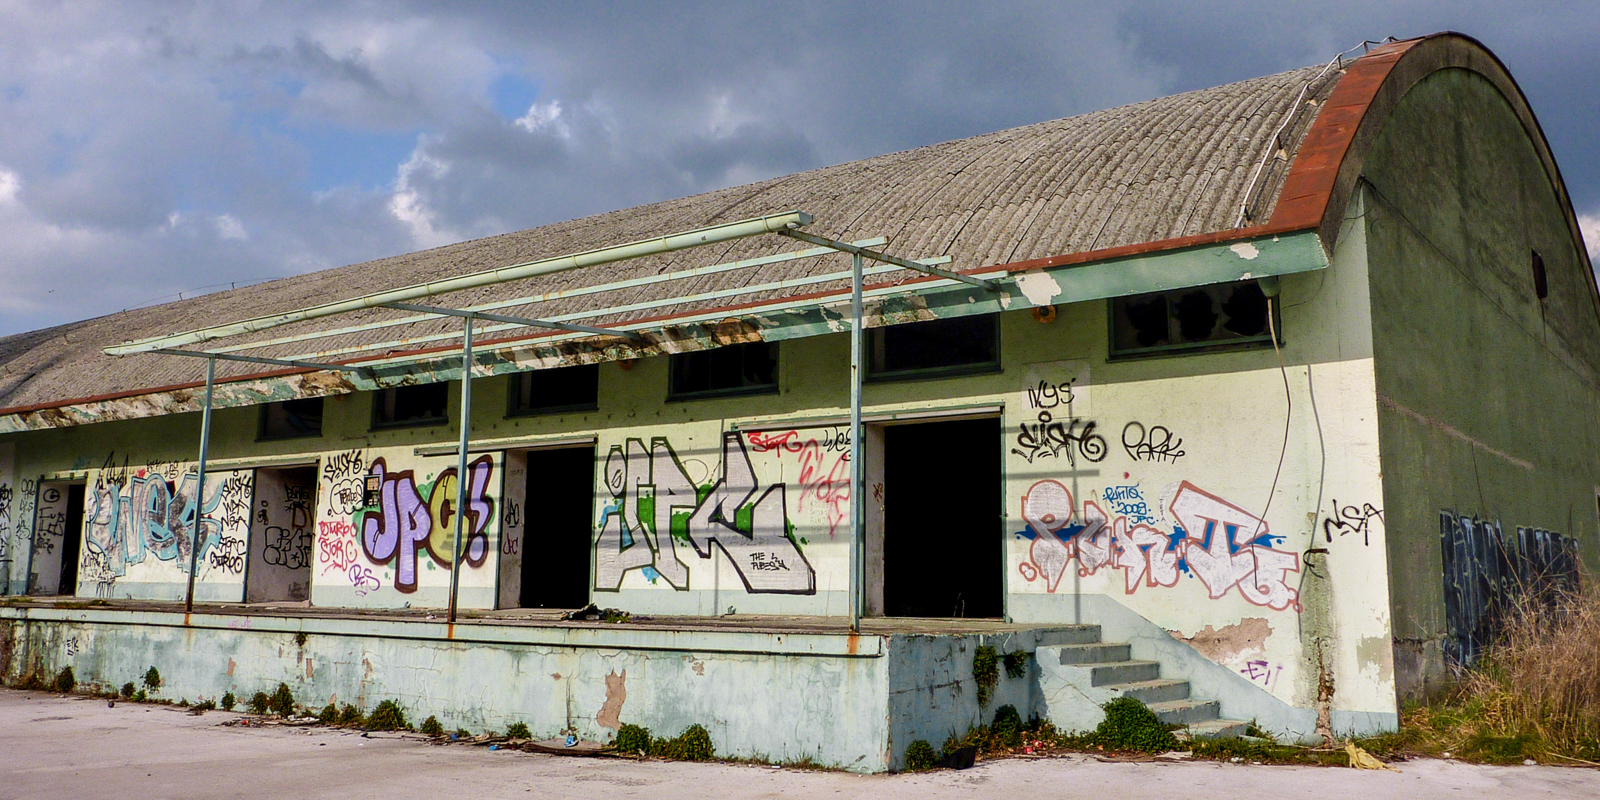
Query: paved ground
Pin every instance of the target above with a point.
(55, 747)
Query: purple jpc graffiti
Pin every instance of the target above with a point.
(405, 523)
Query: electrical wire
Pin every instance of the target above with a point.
(1288, 415)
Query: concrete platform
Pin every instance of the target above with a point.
(771, 687)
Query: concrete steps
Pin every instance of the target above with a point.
(1079, 677)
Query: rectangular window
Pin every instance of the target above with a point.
(934, 348)
(546, 391)
(1216, 317)
(736, 369)
(291, 419)
(405, 406)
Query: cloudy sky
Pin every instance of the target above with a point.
(148, 149)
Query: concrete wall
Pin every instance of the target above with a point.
(1487, 394)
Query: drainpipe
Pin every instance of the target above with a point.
(461, 465)
(200, 487)
(857, 473)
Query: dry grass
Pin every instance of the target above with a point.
(1535, 695)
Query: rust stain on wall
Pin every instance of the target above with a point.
(610, 715)
(1230, 643)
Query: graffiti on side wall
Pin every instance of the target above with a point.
(411, 519)
(1486, 574)
(131, 516)
(1348, 519)
(824, 468)
(1212, 540)
(660, 517)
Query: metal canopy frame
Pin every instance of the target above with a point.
(785, 224)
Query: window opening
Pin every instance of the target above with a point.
(291, 419)
(546, 391)
(737, 369)
(1541, 283)
(401, 406)
(934, 347)
(1219, 316)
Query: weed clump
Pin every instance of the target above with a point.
(694, 744)
(259, 702)
(127, 690)
(986, 671)
(1008, 726)
(920, 756)
(633, 739)
(282, 701)
(516, 730)
(207, 705)
(65, 680)
(329, 715)
(351, 716)
(152, 679)
(1131, 725)
(229, 701)
(387, 717)
(431, 726)
(1016, 664)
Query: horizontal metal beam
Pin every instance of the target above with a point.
(846, 247)
(280, 362)
(561, 294)
(535, 323)
(771, 223)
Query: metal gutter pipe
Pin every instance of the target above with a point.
(771, 223)
(857, 473)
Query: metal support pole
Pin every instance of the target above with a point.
(461, 465)
(857, 468)
(200, 486)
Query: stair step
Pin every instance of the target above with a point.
(1215, 729)
(1186, 712)
(1097, 653)
(1068, 635)
(1159, 690)
(1123, 672)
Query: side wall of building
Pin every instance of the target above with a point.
(1487, 394)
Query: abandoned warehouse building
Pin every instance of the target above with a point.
(1253, 403)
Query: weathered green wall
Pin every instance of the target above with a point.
(1488, 395)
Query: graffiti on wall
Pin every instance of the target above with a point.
(412, 518)
(134, 515)
(1155, 443)
(289, 546)
(659, 516)
(824, 468)
(1212, 540)
(1348, 519)
(1487, 573)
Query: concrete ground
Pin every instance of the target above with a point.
(54, 747)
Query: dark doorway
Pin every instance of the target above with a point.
(558, 523)
(74, 540)
(942, 533)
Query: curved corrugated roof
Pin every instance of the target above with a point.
(1162, 170)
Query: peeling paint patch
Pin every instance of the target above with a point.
(1039, 287)
(1245, 250)
(1230, 643)
(610, 715)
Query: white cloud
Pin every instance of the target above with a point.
(543, 117)
(1590, 225)
(229, 227)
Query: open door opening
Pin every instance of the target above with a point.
(281, 535)
(942, 531)
(58, 535)
(557, 527)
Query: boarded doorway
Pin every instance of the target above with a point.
(281, 535)
(58, 534)
(557, 527)
(942, 534)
